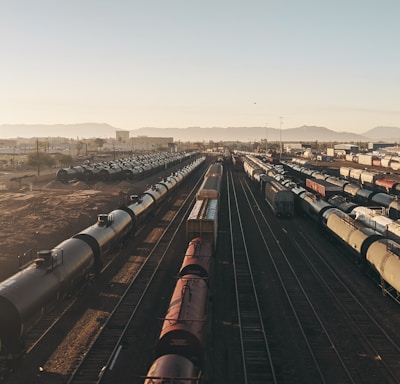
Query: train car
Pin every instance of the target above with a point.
(364, 196)
(336, 181)
(210, 188)
(279, 198)
(384, 256)
(355, 175)
(173, 369)
(110, 231)
(30, 293)
(203, 221)
(388, 186)
(25, 296)
(313, 206)
(216, 169)
(345, 172)
(356, 238)
(198, 258)
(251, 168)
(368, 178)
(65, 175)
(373, 218)
(388, 201)
(342, 203)
(323, 188)
(158, 192)
(183, 330)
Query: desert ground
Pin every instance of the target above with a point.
(39, 212)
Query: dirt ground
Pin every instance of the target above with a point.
(39, 212)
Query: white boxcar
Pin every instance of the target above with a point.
(355, 174)
(345, 172)
(369, 177)
(365, 159)
(203, 221)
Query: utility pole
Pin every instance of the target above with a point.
(37, 157)
(280, 136)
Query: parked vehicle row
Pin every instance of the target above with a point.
(180, 349)
(274, 190)
(374, 239)
(367, 244)
(122, 169)
(27, 295)
(357, 192)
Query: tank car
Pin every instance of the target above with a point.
(356, 238)
(198, 258)
(364, 196)
(27, 295)
(158, 192)
(183, 330)
(339, 182)
(342, 203)
(384, 256)
(172, 369)
(64, 175)
(110, 230)
(313, 206)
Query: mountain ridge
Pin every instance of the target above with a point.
(243, 134)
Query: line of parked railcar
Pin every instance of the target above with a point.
(180, 349)
(277, 195)
(27, 295)
(357, 192)
(130, 168)
(203, 219)
(376, 244)
(369, 246)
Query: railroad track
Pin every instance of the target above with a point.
(104, 350)
(309, 283)
(256, 360)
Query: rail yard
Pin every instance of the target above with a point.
(211, 273)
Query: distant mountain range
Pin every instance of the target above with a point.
(243, 134)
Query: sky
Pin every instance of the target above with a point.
(208, 63)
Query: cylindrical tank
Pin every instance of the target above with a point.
(183, 330)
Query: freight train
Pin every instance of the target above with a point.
(364, 187)
(377, 247)
(27, 295)
(278, 195)
(131, 168)
(180, 349)
(368, 245)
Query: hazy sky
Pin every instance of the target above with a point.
(180, 63)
